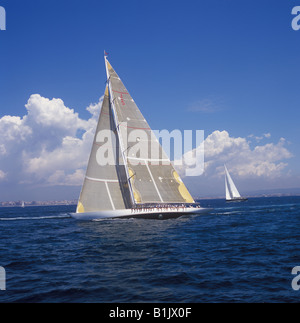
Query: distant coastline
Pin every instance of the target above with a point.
(253, 194)
(37, 203)
(259, 193)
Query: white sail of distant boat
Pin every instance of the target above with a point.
(23, 204)
(232, 193)
(134, 185)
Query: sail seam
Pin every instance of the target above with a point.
(102, 180)
(110, 198)
(154, 182)
(147, 159)
(120, 92)
(123, 125)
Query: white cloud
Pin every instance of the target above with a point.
(94, 108)
(12, 129)
(50, 145)
(261, 161)
(259, 138)
(60, 177)
(52, 113)
(2, 175)
(45, 146)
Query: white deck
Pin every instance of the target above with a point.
(145, 213)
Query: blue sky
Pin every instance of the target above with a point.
(218, 65)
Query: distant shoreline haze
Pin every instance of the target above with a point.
(252, 194)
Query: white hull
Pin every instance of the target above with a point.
(237, 199)
(155, 213)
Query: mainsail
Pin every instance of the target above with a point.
(231, 190)
(151, 176)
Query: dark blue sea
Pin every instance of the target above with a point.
(241, 252)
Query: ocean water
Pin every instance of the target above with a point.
(241, 252)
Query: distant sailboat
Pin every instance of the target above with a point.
(23, 204)
(232, 194)
(135, 185)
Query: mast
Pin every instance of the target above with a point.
(118, 132)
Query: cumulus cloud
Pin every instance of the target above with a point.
(49, 145)
(11, 129)
(266, 161)
(2, 175)
(259, 138)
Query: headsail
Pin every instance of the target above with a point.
(231, 190)
(151, 176)
(103, 187)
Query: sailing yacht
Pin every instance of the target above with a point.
(232, 194)
(135, 185)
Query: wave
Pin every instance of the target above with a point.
(36, 217)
